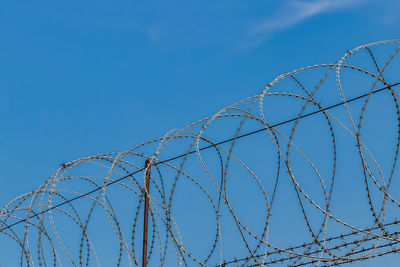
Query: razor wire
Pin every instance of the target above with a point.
(277, 192)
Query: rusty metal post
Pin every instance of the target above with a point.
(146, 212)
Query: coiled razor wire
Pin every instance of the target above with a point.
(305, 174)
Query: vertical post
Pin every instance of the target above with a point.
(146, 212)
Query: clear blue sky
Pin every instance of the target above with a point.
(79, 78)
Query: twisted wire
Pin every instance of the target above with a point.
(237, 197)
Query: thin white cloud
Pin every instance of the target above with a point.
(294, 12)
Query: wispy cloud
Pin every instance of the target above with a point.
(294, 12)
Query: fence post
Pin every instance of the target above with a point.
(146, 211)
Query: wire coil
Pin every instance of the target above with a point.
(319, 188)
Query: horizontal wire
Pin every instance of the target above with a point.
(342, 236)
(200, 149)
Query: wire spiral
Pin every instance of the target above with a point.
(303, 181)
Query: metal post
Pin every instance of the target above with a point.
(146, 212)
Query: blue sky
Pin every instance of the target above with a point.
(81, 78)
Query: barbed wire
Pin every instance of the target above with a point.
(207, 209)
(288, 254)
